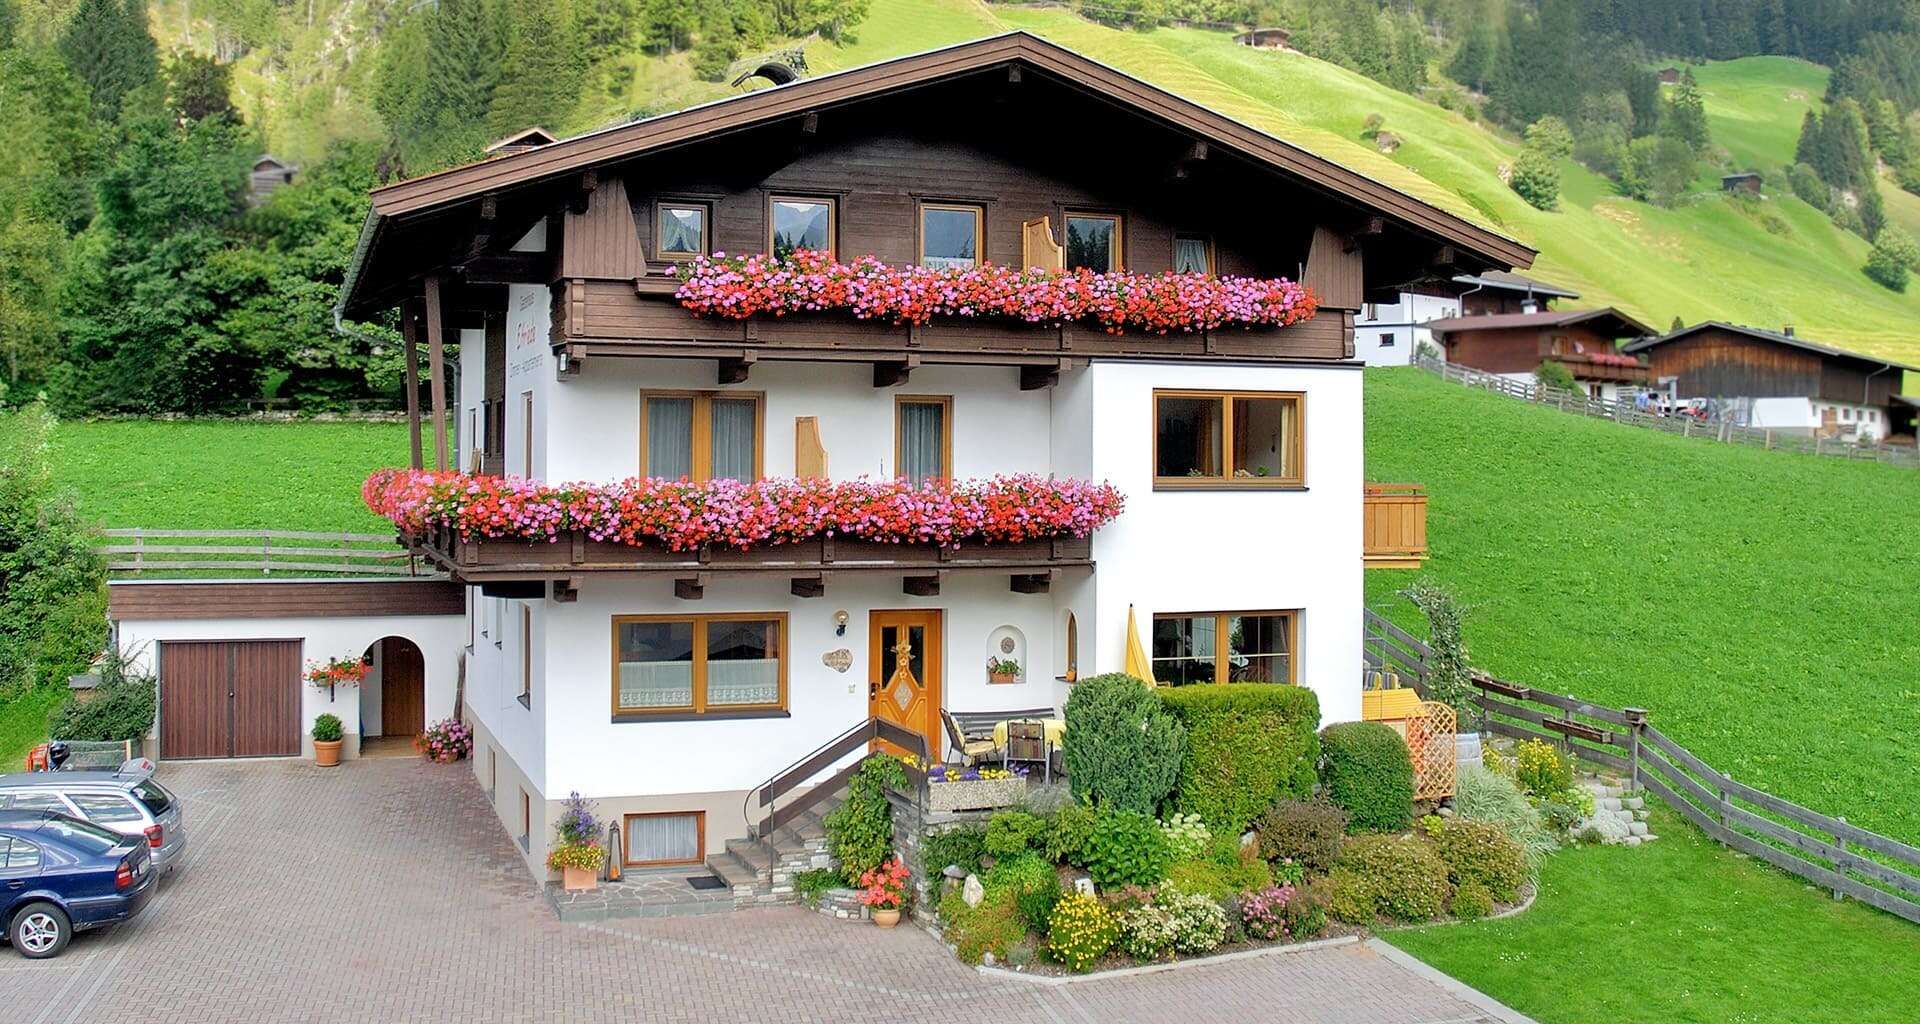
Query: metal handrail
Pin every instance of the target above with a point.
(746, 800)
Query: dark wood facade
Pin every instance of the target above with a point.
(1716, 360)
(1582, 341)
(273, 599)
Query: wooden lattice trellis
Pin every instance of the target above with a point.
(1430, 741)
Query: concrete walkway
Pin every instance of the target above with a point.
(386, 891)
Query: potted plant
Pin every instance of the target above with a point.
(953, 788)
(883, 890)
(577, 853)
(337, 672)
(326, 740)
(1003, 670)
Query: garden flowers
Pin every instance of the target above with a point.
(682, 515)
(738, 287)
(338, 672)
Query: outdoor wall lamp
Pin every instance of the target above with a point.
(840, 622)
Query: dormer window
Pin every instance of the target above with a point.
(799, 223)
(681, 231)
(1192, 254)
(950, 236)
(1093, 242)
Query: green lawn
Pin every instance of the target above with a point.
(1682, 931)
(23, 724)
(1754, 106)
(216, 474)
(1757, 602)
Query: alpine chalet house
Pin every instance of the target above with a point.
(1390, 333)
(1585, 341)
(867, 465)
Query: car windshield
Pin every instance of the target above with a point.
(154, 796)
(84, 835)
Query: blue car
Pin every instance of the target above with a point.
(60, 875)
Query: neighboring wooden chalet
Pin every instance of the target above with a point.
(1669, 75)
(1266, 38)
(1745, 181)
(1778, 380)
(1515, 344)
(268, 175)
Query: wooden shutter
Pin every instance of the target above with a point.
(1037, 247)
(809, 456)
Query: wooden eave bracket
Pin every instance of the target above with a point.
(1032, 582)
(589, 181)
(892, 372)
(734, 369)
(566, 591)
(809, 586)
(922, 586)
(1033, 378)
(691, 588)
(1372, 227)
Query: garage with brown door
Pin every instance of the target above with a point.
(230, 698)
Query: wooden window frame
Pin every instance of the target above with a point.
(979, 228)
(526, 657)
(1173, 251)
(1118, 258)
(1227, 481)
(626, 838)
(900, 402)
(1073, 649)
(833, 217)
(699, 705)
(706, 228)
(1221, 639)
(526, 820)
(526, 434)
(702, 461)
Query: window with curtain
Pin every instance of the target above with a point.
(950, 236)
(1227, 438)
(676, 837)
(699, 663)
(1230, 647)
(702, 436)
(923, 438)
(681, 231)
(1192, 254)
(799, 224)
(1093, 242)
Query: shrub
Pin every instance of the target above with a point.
(1372, 125)
(1368, 772)
(53, 584)
(1186, 835)
(1199, 924)
(1472, 902)
(1263, 912)
(121, 708)
(1216, 880)
(860, 831)
(1350, 897)
(1126, 749)
(1551, 374)
(1067, 833)
(1559, 816)
(1541, 769)
(813, 883)
(959, 846)
(326, 729)
(1893, 257)
(1483, 795)
(1536, 177)
(1306, 912)
(1478, 852)
(1126, 848)
(1551, 137)
(1146, 931)
(1303, 832)
(1033, 883)
(1398, 876)
(1010, 833)
(1248, 744)
(1080, 931)
(1448, 675)
(992, 927)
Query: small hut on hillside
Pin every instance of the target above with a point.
(1745, 181)
(268, 175)
(1266, 38)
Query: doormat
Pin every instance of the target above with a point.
(706, 882)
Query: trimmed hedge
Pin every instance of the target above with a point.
(1248, 746)
(1368, 771)
(1126, 748)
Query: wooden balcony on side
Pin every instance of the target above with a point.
(1396, 526)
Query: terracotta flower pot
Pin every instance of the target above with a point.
(578, 879)
(1001, 678)
(886, 917)
(326, 753)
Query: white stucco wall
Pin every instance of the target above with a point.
(1402, 322)
(493, 681)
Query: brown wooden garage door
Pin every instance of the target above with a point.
(237, 698)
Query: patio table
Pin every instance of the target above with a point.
(1055, 729)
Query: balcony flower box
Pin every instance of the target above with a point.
(974, 789)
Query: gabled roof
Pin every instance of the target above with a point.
(1505, 281)
(1621, 326)
(1759, 334)
(534, 136)
(619, 142)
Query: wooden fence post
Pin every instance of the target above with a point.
(1840, 858)
(1636, 724)
(1726, 802)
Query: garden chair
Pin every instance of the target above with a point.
(970, 752)
(1027, 744)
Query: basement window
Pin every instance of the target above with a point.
(660, 839)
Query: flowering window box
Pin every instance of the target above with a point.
(950, 788)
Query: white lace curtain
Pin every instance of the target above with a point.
(670, 438)
(733, 430)
(922, 441)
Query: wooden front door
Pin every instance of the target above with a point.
(230, 698)
(403, 683)
(903, 672)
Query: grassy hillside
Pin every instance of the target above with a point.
(1760, 604)
(1754, 106)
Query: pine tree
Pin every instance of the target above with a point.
(1685, 117)
(540, 77)
(1805, 151)
(108, 46)
(462, 67)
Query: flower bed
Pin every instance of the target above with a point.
(681, 515)
(739, 287)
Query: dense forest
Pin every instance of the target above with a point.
(137, 274)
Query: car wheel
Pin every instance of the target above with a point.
(40, 930)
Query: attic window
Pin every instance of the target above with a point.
(680, 231)
(950, 236)
(1093, 242)
(1192, 254)
(796, 223)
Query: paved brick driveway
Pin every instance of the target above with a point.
(384, 891)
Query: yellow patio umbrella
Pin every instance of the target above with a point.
(1138, 664)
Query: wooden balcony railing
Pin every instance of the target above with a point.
(1396, 526)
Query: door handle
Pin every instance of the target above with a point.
(16, 884)
(873, 690)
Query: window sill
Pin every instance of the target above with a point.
(627, 717)
(1226, 485)
(526, 701)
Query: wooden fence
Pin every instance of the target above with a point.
(1577, 403)
(1845, 859)
(255, 552)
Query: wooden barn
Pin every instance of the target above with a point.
(1669, 75)
(268, 175)
(1265, 38)
(1778, 380)
(1745, 181)
(1515, 344)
